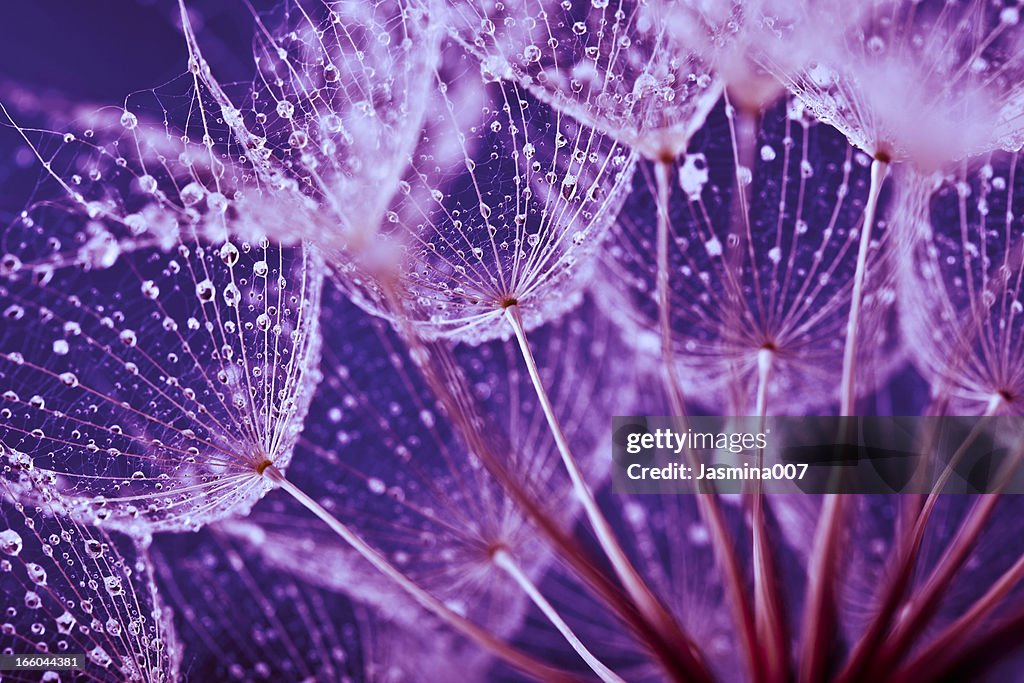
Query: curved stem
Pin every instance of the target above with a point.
(676, 655)
(645, 601)
(501, 649)
(968, 662)
(926, 601)
(847, 390)
(504, 561)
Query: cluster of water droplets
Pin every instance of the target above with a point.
(71, 589)
(612, 65)
(924, 81)
(336, 106)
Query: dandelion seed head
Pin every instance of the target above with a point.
(426, 481)
(775, 278)
(505, 200)
(138, 372)
(335, 109)
(961, 302)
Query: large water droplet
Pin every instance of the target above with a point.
(10, 542)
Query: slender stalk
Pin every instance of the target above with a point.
(648, 605)
(707, 502)
(504, 561)
(767, 610)
(847, 390)
(819, 621)
(662, 170)
(819, 625)
(506, 652)
(765, 357)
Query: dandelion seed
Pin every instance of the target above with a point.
(752, 284)
(903, 77)
(961, 300)
(390, 460)
(335, 110)
(457, 242)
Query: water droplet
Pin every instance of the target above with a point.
(9, 264)
(129, 120)
(231, 295)
(65, 623)
(205, 291)
(260, 269)
(192, 194)
(10, 542)
(32, 600)
(61, 347)
(113, 585)
(713, 246)
(36, 573)
(531, 53)
(229, 254)
(693, 174)
(285, 109)
(217, 202)
(99, 656)
(147, 183)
